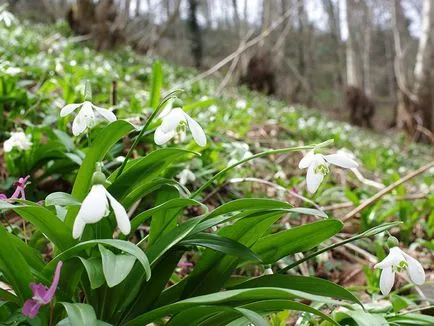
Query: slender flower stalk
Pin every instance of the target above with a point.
(41, 294)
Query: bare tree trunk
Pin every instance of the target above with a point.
(367, 50)
(137, 14)
(236, 18)
(414, 107)
(195, 34)
(353, 76)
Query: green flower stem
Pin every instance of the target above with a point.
(148, 122)
(262, 154)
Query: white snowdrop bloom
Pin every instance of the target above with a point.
(186, 176)
(398, 261)
(95, 206)
(19, 140)
(176, 122)
(241, 104)
(6, 17)
(317, 166)
(86, 117)
(12, 71)
(213, 109)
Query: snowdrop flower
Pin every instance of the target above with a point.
(6, 17)
(86, 116)
(96, 206)
(174, 123)
(241, 104)
(399, 261)
(186, 176)
(41, 294)
(19, 140)
(318, 166)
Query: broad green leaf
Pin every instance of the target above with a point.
(255, 318)
(30, 255)
(105, 139)
(360, 317)
(8, 296)
(80, 314)
(312, 285)
(273, 247)
(164, 220)
(122, 245)
(248, 204)
(14, 267)
(94, 271)
(115, 267)
(178, 203)
(62, 199)
(157, 82)
(231, 297)
(221, 244)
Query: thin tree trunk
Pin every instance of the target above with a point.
(367, 51)
(353, 78)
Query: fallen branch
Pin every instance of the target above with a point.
(386, 190)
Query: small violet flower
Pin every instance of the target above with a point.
(41, 294)
(186, 176)
(174, 122)
(398, 261)
(96, 205)
(19, 140)
(318, 166)
(86, 116)
(19, 190)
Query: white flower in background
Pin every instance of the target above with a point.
(186, 176)
(318, 166)
(175, 122)
(19, 140)
(398, 261)
(95, 206)
(241, 104)
(6, 17)
(86, 117)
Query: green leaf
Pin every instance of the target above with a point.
(163, 220)
(360, 317)
(378, 229)
(122, 245)
(61, 199)
(157, 82)
(105, 139)
(221, 244)
(115, 267)
(14, 267)
(276, 246)
(255, 318)
(178, 203)
(80, 314)
(248, 204)
(312, 285)
(231, 297)
(94, 271)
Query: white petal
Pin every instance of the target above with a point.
(94, 206)
(161, 137)
(68, 109)
(341, 160)
(78, 125)
(196, 131)
(78, 228)
(107, 114)
(393, 258)
(167, 108)
(8, 145)
(172, 120)
(121, 216)
(313, 180)
(306, 160)
(387, 279)
(415, 270)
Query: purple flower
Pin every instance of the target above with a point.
(20, 184)
(3, 197)
(41, 294)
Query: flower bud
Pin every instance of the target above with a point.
(392, 242)
(98, 178)
(177, 103)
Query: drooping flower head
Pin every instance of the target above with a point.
(19, 140)
(398, 261)
(86, 117)
(175, 122)
(186, 176)
(96, 206)
(41, 294)
(318, 167)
